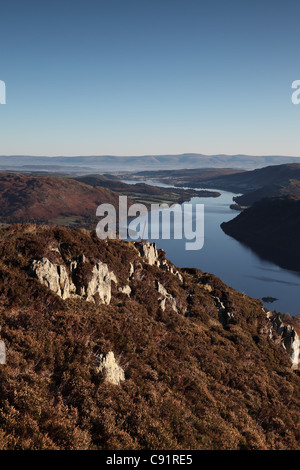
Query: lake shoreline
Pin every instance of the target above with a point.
(233, 262)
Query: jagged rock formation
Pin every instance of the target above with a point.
(258, 228)
(288, 337)
(131, 270)
(62, 279)
(205, 371)
(165, 297)
(64, 282)
(166, 266)
(99, 284)
(148, 251)
(2, 353)
(54, 276)
(225, 316)
(114, 374)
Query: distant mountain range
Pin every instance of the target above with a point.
(88, 164)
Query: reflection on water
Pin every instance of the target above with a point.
(236, 264)
(271, 279)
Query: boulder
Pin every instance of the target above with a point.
(2, 352)
(114, 374)
(165, 297)
(125, 290)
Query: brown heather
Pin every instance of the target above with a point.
(191, 383)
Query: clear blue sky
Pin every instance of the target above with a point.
(134, 77)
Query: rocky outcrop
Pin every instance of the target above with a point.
(288, 338)
(148, 251)
(165, 297)
(2, 353)
(291, 342)
(131, 270)
(114, 374)
(64, 280)
(166, 266)
(99, 284)
(125, 290)
(225, 316)
(54, 276)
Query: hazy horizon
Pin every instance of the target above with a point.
(149, 155)
(136, 78)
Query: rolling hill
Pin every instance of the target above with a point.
(46, 199)
(184, 177)
(257, 179)
(144, 193)
(65, 201)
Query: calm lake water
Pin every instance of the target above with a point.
(237, 265)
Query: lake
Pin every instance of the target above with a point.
(236, 264)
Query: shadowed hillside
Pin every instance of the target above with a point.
(286, 188)
(257, 179)
(271, 227)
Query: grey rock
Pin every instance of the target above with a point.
(125, 290)
(168, 267)
(225, 316)
(148, 251)
(165, 297)
(114, 374)
(61, 281)
(54, 276)
(288, 338)
(2, 353)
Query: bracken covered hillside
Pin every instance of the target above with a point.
(109, 346)
(48, 199)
